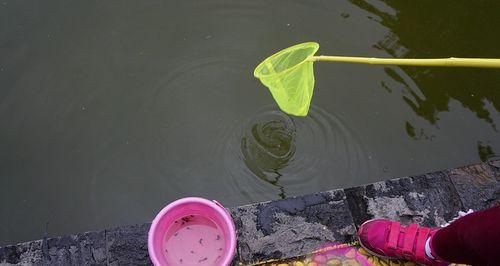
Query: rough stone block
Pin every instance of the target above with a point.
(292, 227)
(429, 200)
(128, 245)
(29, 253)
(81, 249)
(476, 185)
(495, 167)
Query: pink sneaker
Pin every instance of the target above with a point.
(391, 240)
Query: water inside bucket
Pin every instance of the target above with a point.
(194, 240)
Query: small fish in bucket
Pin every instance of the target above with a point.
(192, 231)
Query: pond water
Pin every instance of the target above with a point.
(111, 109)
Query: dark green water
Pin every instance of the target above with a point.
(111, 109)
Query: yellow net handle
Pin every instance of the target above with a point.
(436, 62)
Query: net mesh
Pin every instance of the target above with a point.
(290, 77)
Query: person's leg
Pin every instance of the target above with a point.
(473, 239)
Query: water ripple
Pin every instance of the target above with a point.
(275, 154)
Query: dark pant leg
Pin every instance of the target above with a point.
(473, 239)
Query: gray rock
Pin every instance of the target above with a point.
(429, 199)
(476, 185)
(81, 249)
(292, 227)
(128, 245)
(29, 253)
(495, 167)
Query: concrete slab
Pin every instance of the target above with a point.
(81, 249)
(128, 245)
(476, 185)
(429, 200)
(292, 227)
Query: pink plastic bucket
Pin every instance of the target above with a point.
(192, 231)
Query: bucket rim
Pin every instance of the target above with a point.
(212, 204)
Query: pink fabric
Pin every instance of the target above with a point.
(424, 233)
(409, 238)
(473, 239)
(394, 230)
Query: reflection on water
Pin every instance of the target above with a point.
(268, 146)
(485, 151)
(459, 32)
(417, 134)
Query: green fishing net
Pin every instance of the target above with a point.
(289, 76)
